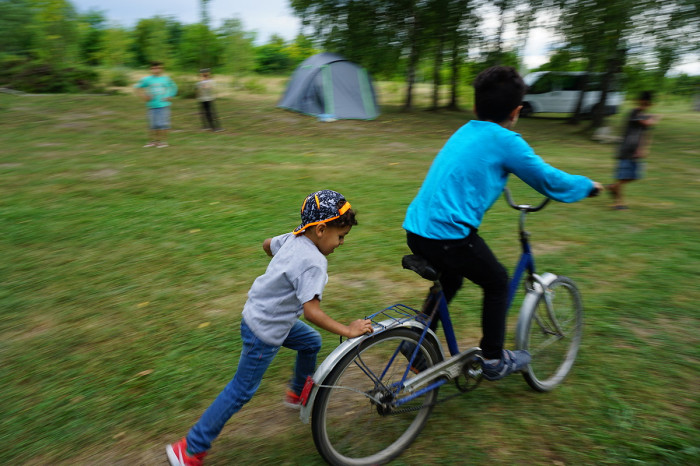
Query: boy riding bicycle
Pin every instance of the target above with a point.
(465, 179)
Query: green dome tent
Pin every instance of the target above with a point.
(330, 87)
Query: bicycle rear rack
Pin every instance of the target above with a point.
(396, 315)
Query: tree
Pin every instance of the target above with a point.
(673, 27)
(377, 34)
(437, 12)
(301, 48)
(606, 34)
(238, 49)
(206, 39)
(16, 29)
(411, 25)
(117, 46)
(55, 38)
(271, 57)
(92, 28)
(464, 31)
(520, 13)
(155, 39)
(604, 47)
(451, 27)
(198, 47)
(362, 31)
(563, 60)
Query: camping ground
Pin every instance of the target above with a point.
(125, 269)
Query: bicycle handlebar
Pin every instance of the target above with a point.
(524, 207)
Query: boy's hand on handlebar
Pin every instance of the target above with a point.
(597, 189)
(359, 327)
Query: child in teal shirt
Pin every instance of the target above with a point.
(157, 90)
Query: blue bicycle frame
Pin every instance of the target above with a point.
(526, 263)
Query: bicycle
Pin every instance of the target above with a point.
(373, 394)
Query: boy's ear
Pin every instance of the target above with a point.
(516, 112)
(320, 229)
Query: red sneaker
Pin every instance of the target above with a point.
(292, 400)
(178, 456)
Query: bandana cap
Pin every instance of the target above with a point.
(321, 207)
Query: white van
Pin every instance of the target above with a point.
(558, 92)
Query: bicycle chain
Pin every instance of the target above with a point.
(418, 408)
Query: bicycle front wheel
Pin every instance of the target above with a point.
(551, 331)
(356, 418)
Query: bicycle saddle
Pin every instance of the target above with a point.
(419, 265)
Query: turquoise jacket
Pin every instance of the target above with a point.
(158, 88)
(469, 174)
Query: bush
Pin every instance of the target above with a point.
(40, 77)
(685, 85)
(119, 78)
(254, 86)
(251, 85)
(186, 86)
(9, 66)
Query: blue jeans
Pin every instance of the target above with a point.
(256, 356)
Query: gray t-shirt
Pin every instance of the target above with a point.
(296, 274)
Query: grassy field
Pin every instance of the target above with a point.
(124, 271)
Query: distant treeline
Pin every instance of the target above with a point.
(48, 46)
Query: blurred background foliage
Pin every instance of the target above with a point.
(49, 46)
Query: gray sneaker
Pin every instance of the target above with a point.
(511, 361)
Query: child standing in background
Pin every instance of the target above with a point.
(157, 90)
(206, 96)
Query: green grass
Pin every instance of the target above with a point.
(124, 271)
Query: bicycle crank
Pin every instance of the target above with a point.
(472, 373)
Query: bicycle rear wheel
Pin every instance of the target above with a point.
(355, 419)
(551, 329)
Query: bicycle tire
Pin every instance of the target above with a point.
(552, 333)
(350, 428)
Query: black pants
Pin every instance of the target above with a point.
(471, 258)
(209, 119)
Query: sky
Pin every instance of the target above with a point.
(268, 17)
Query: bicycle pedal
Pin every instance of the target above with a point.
(306, 391)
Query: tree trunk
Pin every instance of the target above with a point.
(437, 66)
(411, 78)
(576, 117)
(502, 7)
(454, 75)
(614, 66)
(412, 63)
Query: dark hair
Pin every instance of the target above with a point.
(646, 96)
(156, 63)
(346, 220)
(497, 92)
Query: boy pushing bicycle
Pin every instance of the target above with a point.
(465, 179)
(291, 286)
